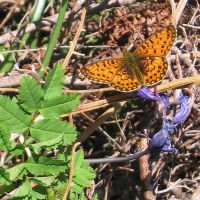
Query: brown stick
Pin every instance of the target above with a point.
(86, 133)
(145, 175)
(71, 171)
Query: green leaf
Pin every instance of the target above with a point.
(16, 172)
(82, 196)
(60, 185)
(83, 173)
(44, 181)
(54, 82)
(17, 149)
(48, 145)
(12, 116)
(50, 194)
(24, 190)
(79, 159)
(4, 177)
(80, 179)
(49, 129)
(45, 166)
(8, 62)
(95, 197)
(30, 94)
(59, 105)
(38, 192)
(76, 195)
(5, 143)
(76, 188)
(7, 188)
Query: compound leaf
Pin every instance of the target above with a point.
(5, 143)
(12, 116)
(54, 82)
(59, 105)
(49, 129)
(30, 94)
(45, 166)
(23, 191)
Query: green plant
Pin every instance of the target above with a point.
(32, 169)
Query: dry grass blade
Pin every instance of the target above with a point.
(75, 40)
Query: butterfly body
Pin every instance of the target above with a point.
(147, 65)
(133, 68)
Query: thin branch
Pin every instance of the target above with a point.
(75, 40)
(174, 185)
(85, 134)
(118, 159)
(71, 171)
(104, 132)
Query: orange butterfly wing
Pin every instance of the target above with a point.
(102, 71)
(124, 81)
(154, 69)
(158, 44)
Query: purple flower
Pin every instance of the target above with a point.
(165, 101)
(145, 93)
(161, 140)
(184, 110)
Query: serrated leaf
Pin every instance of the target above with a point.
(59, 105)
(82, 176)
(38, 192)
(49, 129)
(76, 196)
(81, 164)
(45, 166)
(83, 173)
(54, 82)
(17, 149)
(4, 177)
(16, 172)
(80, 179)
(88, 171)
(50, 144)
(30, 94)
(61, 184)
(79, 159)
(7, 188)
(50, 194)
(24, 190)
(82, 196)
(75, 190)
(5, 144)
(12, 116)
(44, 181)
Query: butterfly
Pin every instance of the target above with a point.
(146, 66)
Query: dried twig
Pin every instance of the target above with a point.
(85, 134)
(75, 40)
(71, 171)
(118, 159)
(177, 10)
